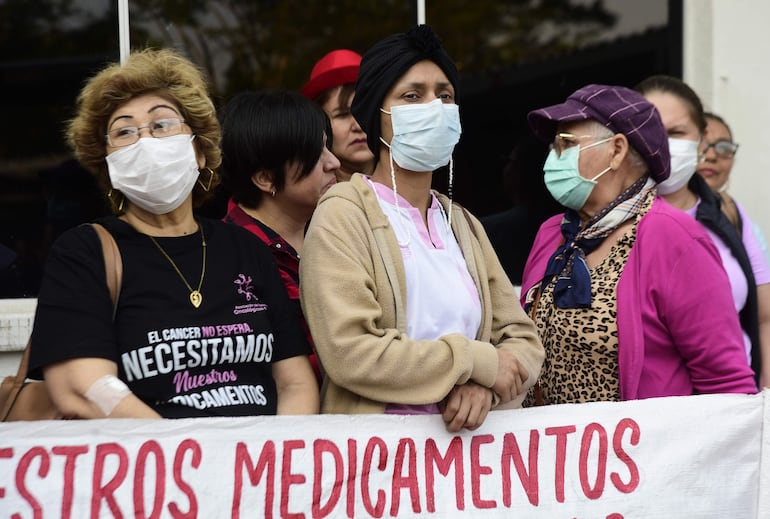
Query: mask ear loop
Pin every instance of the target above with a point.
(450, 190)
(395, 198)
(597, 177)
(395, 189)
(597, 143)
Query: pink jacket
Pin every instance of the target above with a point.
(678, 332)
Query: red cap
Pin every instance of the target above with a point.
(336, 68)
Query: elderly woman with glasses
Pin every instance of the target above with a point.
(715, 163)
(628, 293)
(202, 325)
(683, 117)
(717, 156)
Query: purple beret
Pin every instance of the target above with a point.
(620, 109)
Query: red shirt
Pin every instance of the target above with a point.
(288, 265)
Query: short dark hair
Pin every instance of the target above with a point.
(678, 88)
(269, 130)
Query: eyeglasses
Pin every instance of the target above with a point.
(159, 128)
(563, 140)
(723, 149)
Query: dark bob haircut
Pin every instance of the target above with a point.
(270, 131)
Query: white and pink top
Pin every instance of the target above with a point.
(441, 297)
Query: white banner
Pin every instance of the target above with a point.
(694, 457)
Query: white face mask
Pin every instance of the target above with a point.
(424, 135)
(684, 160)
(155, 174)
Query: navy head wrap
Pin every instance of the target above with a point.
(384, 64)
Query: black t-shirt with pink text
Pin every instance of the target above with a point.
(215, 360)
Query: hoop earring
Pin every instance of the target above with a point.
(272, 193)
(117, 207)
(207, 186)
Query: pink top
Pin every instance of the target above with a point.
(738, 284)
(757, 257)
(678, 332)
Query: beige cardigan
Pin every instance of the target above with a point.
(352, 287)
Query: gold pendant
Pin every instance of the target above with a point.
(196, 298)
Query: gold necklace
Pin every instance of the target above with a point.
(196, 298)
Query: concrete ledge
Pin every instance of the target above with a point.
(16, 318)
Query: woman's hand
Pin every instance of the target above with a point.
(511, 376)
(466, 406)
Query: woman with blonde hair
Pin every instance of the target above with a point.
(202, 325)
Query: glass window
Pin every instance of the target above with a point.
(513, 56)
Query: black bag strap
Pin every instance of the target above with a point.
(113, 265)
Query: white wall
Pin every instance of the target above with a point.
(727, 62)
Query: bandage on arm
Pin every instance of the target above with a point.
(107, 392)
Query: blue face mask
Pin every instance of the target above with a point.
(563, 180)
(424, 135)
